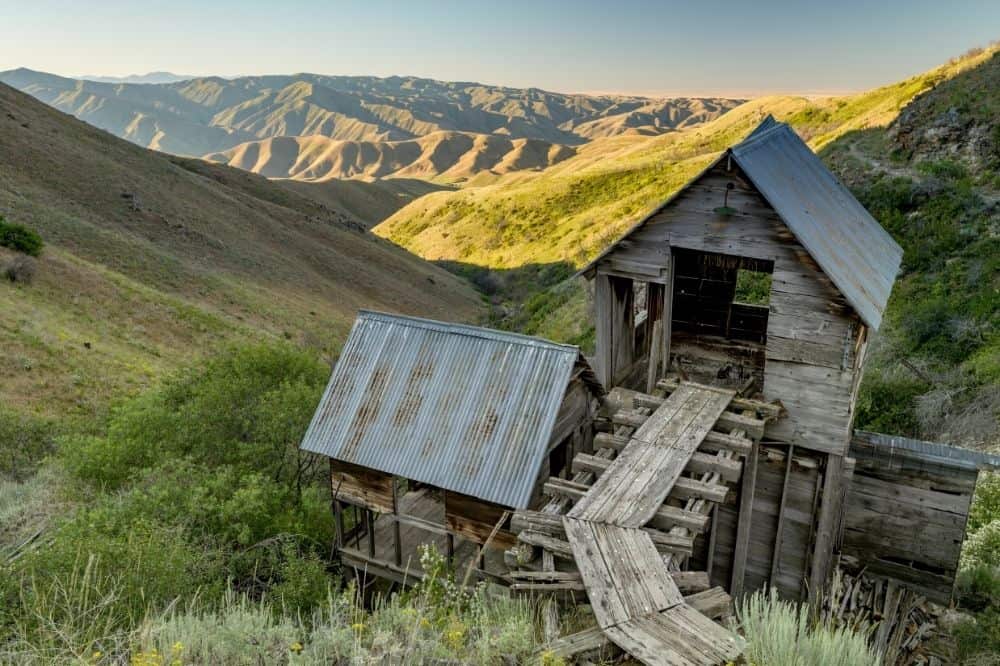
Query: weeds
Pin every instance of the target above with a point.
(779, 633)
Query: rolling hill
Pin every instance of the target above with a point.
(441, 156)
(153, 260)
(209, 115)
(922, 154)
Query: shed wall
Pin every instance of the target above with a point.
(906, 517)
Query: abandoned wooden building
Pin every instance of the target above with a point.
(435, 430)
(706, 451)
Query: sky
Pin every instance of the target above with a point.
(705, 47)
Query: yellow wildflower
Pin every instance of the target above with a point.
(358, 627)
(295, 647)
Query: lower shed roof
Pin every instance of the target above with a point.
(463, 408)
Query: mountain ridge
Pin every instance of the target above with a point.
(219, 113)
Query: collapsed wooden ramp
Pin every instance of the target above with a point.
(655, 480)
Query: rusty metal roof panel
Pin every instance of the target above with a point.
(851, 247)
(889, 448)
(459, 407)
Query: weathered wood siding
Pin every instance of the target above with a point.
(782, 561)
(814, 339)
(362, 486)
(905, 518)
(474, 519)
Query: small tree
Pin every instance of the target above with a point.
(20, 238)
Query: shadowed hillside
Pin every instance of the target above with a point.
(151, 260)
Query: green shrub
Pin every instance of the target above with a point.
(886, 404)
(96, 572)
(982, 547)
(20, 238)
(779, 633)
(977, 588)
(986, 502)
(24, 442)
(247, 408)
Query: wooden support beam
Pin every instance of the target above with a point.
(666, 516)
(825, 529)
(754, 427)
(603, 327)
(556, 538)
(655, 349)
(714, 441)
(776, 553)
(768, 410)
(684, 488)
(742, 547)
(688, 582)
(727, 468)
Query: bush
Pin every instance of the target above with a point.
(982, 547)
(20, 238)
(986, 503)
(887, 404)
(20, 268)
(778, 633)
(247, 409)
(24, 442)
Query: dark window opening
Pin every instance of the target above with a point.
(721, 295)
(558, 459)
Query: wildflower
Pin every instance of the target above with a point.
(425, 623)
(97, 655)
(176, 647)
(358, 627)
(295, 647)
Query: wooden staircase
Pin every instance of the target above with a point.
(624, 526)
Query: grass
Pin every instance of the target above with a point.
(149, 259)
(780, 633)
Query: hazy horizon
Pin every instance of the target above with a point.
(718, 48)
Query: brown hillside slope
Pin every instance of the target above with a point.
(444, 156)
(152, 260)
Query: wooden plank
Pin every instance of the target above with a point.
(636, 483)
(684, 488)
(825, 537)
(603, 326)
(474, 519)
(743, 524)
(605, 599)
(776, 556)
(361, 486)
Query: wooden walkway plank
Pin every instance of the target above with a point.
(635, 484)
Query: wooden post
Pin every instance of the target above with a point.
(602, 328)
(370, 528)
(667, 314)
(776, 555)
(622, 327)
(338, 511)
(396, 537)
(655, 347)
(826, 528)
(712, 538)
(742, 546)
(450, 549)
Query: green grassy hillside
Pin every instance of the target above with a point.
(153, 260)
(918, 154)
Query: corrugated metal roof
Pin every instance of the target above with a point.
(852, 248)
(459, 407)
(879, 446)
